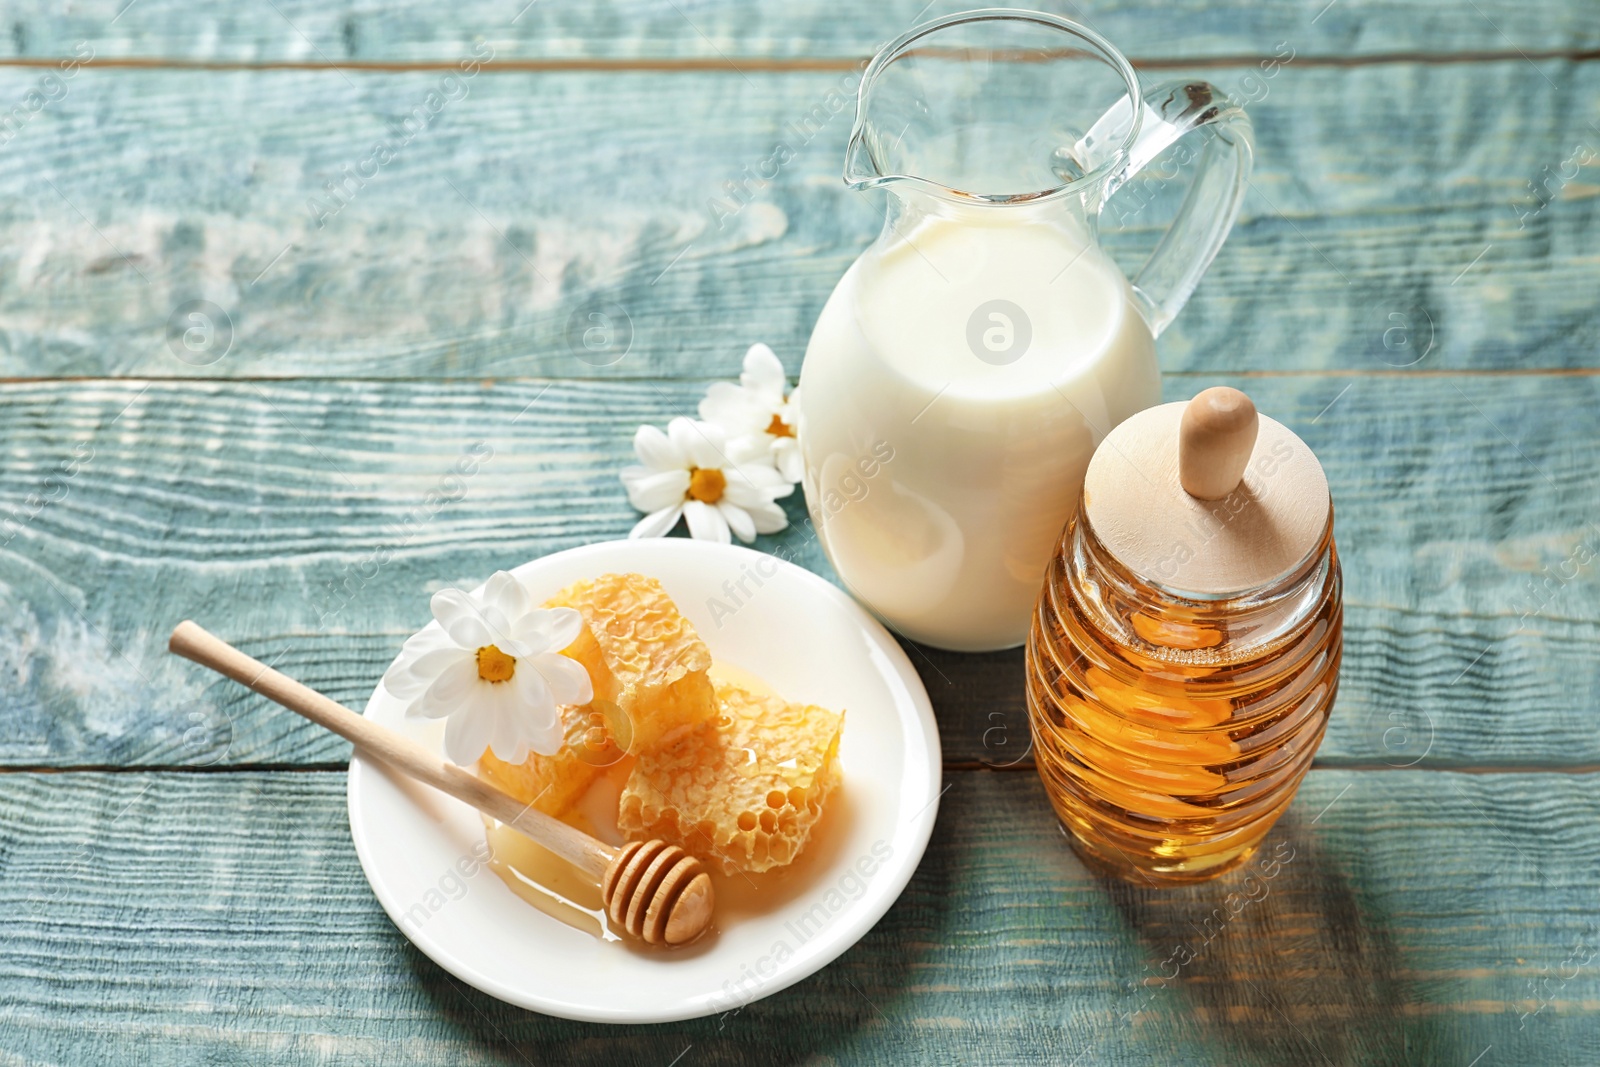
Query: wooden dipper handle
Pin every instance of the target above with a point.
(1215, 439)
(655, 891)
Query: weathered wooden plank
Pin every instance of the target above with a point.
(304, 31)
(296, 519)
(483, 244)
(1402, 917)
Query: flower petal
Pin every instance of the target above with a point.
(705, 522)
(511, 646)
(735, 409)
(738, 519)
(506, 595)
(497, 703)
(517, 754)
(565, 626)
(402, 684)
(428, 639)
(753, 483)
(655, 490)
(657, 523)
(410, 679)
(562, 626)
(450, 692)
(467, 734)
(534, 701)
(568, 680)
(462, 618)
(768, 517)
(741, 493)
(751, 449)
(786, 451)
(430, 665)
(763, 373)
(547, 742)
(656, 451)
(547, 630)
(704, 443)
(534, 716)
(757, 467)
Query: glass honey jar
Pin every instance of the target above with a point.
(1184, 654)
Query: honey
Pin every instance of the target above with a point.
(1184, 653)
(546, 881)
(552, 885)
(1172, 731)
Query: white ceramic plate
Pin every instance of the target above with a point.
(804, 638)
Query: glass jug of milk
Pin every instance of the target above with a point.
(970, 361)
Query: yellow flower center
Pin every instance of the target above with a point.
(494, 665)
(707, 484)
(778, 428)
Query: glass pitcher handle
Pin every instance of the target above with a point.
(1163, 285)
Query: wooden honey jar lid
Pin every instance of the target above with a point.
(1207, 497)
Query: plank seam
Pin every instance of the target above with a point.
(773, 64)
(954, 766)
(490, 380)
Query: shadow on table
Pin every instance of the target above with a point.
(795, 1026)
(1279, 960)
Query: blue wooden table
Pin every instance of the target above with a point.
(1412, 287)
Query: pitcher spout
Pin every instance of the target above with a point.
(978, 107)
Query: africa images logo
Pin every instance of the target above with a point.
(999, 332)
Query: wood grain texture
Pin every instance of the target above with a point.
(1426, 917)
(426, 30)
(307, 522)
(1383, 223)
(224, 918)
(398, 752)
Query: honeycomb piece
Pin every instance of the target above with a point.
(655, 663)
(553, 784)
(645, 659)
(743, 791)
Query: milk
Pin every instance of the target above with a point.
(955, 386)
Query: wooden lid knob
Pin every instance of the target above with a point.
(1215, 439)
(1208, 497)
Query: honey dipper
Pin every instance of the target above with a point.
(653, 890)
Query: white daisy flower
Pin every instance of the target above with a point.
(494, 669)
(757, 408)
(694, 471)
